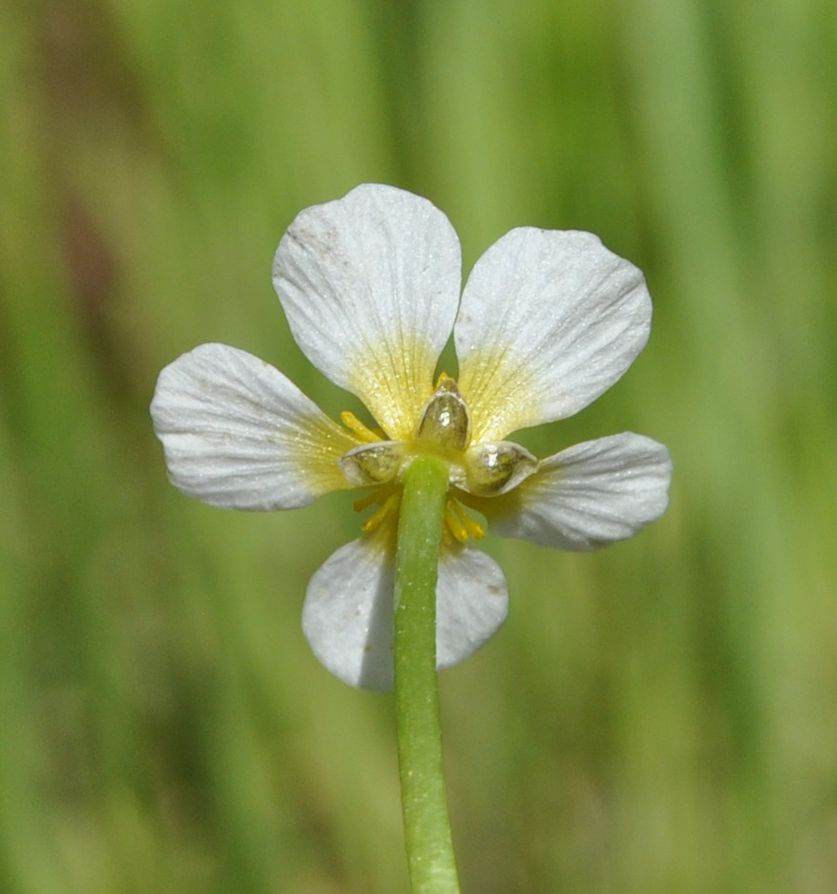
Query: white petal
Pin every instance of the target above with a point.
(471, 603)
(347, 616)
(348, 612)
(549, 320)
(587, 496)
(370, 285)
(238, 434)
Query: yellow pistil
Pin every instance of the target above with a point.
(370, 436)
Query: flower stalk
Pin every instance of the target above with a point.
(427, 834)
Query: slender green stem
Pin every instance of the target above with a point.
(426, 826)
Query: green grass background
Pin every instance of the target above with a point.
(658, 717)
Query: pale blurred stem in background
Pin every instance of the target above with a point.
(426, 825)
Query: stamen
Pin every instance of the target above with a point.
(454, 525)
(348, 418)
(460, 524)
(378, 495)
(471, 525)
(377, 519)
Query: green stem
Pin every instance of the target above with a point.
(426, 826)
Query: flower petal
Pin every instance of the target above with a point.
(370, 285)
(587, 496)
(348, 611)
(347, 615)
(549, 320)
(471, 603)
(238, 434)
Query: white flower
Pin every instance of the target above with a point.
(370, 284)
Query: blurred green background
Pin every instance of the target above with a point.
(657, 717)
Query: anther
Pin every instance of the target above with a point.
(460, 524)
(378, 495)
(358, 428)
(474, 528)
(375, 520)
(455, 526)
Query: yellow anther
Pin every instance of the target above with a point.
(445, 380)
(375, 520)
(460, 524)
(474, 528)
(378, 495)
(454, 525)
(348, 418)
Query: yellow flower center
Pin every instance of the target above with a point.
(444, 429)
